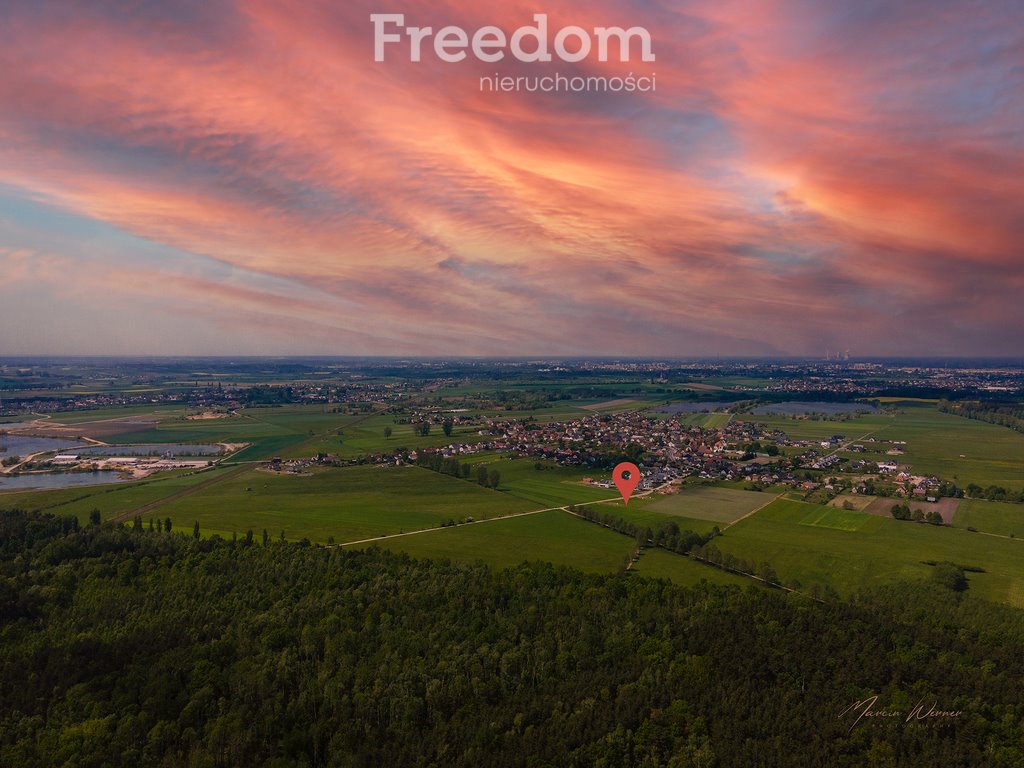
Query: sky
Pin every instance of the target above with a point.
(241, 177)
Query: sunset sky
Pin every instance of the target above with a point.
(215, 177)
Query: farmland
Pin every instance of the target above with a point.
(847, 555)
(347, 471)
(554, 536)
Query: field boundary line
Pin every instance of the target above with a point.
(753, 511)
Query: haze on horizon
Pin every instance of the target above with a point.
(226, 178)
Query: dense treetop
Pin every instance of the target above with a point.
(137, 648)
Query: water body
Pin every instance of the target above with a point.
(153, 449)
(691, 407)
(52, 480)
(797, 408)
(23, 445)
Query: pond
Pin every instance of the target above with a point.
(52, 480)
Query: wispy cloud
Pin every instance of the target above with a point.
(805, 176)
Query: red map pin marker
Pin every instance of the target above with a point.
(626, 485)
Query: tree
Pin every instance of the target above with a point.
(493, 478)
(137, 523)
(767, 573)
(248, 538)
(266, 537)
(387, 432)
(481, 475)
(195, 530)
(950, 576)
(447, 427)
(94, 517)
(167, 524)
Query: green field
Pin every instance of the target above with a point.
(943, 444)
(659, 564)
(991, 516)
(992, 455)
(839, 519)
(721, 505)
(880, 551)
(554, 536)
(640, 514)
(553, 486)
(347, 504)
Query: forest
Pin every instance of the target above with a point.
(121, 646)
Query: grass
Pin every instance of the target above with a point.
(838, 519)
(721, 505)
(990, 516)
(553, 486)
(943, 444)
(553, 536)
(880, 551)
(659, 564)
(858, 501)
(347, 504)
(935, 441)
(640, 512)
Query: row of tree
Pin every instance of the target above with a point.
(450, 465)
(903, 512)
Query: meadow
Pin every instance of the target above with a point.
(950, 446)
(816, 544)
(991, 517)
(553, 536)
(344, 504)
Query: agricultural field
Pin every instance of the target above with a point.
(991, 517)
(364, 435)
(553, 486)
(858, 501)
(878, 551)
(554, 536)
(345, 504)
(639, 512)
(960, 449)
(943, 444)
(883, 505)
(856, 428)
(720, 505)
